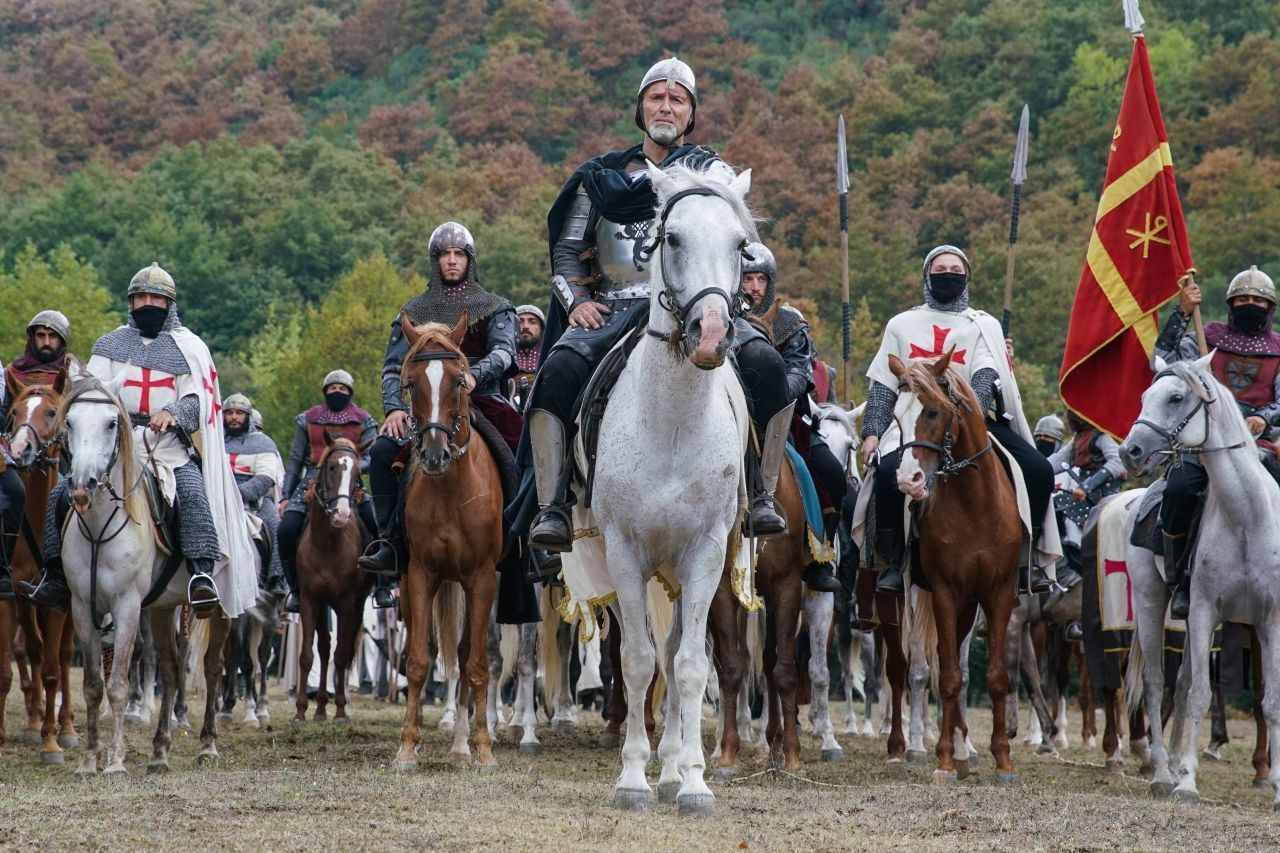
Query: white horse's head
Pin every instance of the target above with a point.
(703, 225)
(1180, 411)
(97, 437)
(838, 427)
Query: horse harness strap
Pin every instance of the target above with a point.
(1171, 435)
(417, 430)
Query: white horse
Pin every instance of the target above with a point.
(1237, 558)
(111, 560)
(669, 470)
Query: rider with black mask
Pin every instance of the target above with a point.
(340, 418)
(1246, 359)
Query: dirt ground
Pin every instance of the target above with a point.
(329, 786)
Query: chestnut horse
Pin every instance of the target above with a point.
(779, 572)
(453, 529)
(970, 536)
(328, 576)
(48, 634)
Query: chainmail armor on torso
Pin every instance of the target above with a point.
(441, 304)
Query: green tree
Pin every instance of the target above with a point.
(33, 282)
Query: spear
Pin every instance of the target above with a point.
(842, 190)
(1018, 176)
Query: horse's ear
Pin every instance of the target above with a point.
(14, 384)
(897, 366)
(1202, 363)
(1158, 365)
(661, 180)
(460, 330)
(76, 369)
(940, 366)
(60, 381)
(328, 437)
(115, 386)
(363, 446)
(741, 185)
(411, 333)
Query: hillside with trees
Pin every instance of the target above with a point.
(287, 160)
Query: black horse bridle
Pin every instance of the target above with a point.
(1170, 436)
(329, 503)
(946, 450)
(667, 298)
(417, 430)
(45, 451)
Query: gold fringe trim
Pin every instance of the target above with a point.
(820, 551)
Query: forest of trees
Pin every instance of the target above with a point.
(286, 160)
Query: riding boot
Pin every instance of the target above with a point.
(6, 560)
(1176, 574)
(1067, 575)
(892, 549)
(52, 591)
(765, 519)
(201, 590)
(292, 604)
(821, 577)
(539, 566)
(383, 597)
(1035, 579)
(385, 555)
(552, 528)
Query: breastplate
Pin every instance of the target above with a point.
(618, 255)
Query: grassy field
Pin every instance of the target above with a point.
(330, 786)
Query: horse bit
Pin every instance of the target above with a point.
(330, 503)
(418, 430)
(1175, 449)
(945, 450)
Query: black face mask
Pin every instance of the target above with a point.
(336, 400)
(946, 287)
(149, 319)
(47, 354)
(1046, 446)
(1249, 318)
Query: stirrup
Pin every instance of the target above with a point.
(370, 563)
(771, 522)
(46, 594)
(292, 604)
(554, 540)
(202, 607)
(891, 580)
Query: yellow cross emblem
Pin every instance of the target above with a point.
(1148, 235)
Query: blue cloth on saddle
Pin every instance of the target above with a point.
(809, 497)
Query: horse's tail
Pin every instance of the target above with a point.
(661, 611)
(1133, 686)
(924, 635)
(509, 649)
(549, 660)
(857, 668)
(447, 618)
(755, 653)
(198, 644)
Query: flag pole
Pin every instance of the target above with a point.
(842, 190)
(1196, 322)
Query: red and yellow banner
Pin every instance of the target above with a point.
(1137, 254)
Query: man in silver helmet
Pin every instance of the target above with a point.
(490, 347)
(792, 340)
(943, 323)
(170, 388)
(1246, 359)
(528, 351)
(1049, 433)
(598, 227)
(254, 458)
(339, 417)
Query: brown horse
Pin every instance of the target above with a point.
(47, 634)
(328, 576)
(453, 529)
(778, 577)
(970, 537)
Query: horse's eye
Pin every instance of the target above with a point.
(1175, 398)
(931, 413)
(111, 425)
(673, 240)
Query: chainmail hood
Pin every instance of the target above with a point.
(440, 303)
(961, 302)
(787, 322)
(126, 344)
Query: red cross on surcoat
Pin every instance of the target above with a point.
(211, 385)
(939, 341)
(1120, 567)
(144, 406)
(238, 469)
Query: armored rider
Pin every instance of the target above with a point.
(528, 351)
(598, 227)
(944, 322)
(166, 369)
(1093, 462)
(1049, 433)
(490, 348)
(794, 343)
(1246, 359)
(254, 458)
(340, 417)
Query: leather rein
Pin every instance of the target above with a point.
(946, 450)
(46, 450)
(1175, 449)
(419, 429)
(329, 503)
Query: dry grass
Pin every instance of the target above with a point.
(327, 786)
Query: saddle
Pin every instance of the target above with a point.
(164, 516)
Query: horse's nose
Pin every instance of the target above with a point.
(1132, 451)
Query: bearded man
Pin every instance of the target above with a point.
(254, 462)
(528, 351)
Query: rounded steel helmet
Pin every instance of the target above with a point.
(946, 249)
(153, 279)
(340, 376)
(55, 320)
(534, 310)
(762, 260)
(255, 419)
(451, 235)
(238, 403)
(1252, 282)
(1052, 426)
(672, 70)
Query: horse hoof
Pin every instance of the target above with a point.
(264, 718)
(564, 727)
(250, 724)
(460, 759)
(1263, 783)
(1115, 765)
(944, 777)
(696, 805)
(344, 720)
(632, 800)
(31, 738)
(668, 791)
(86, 775)
(223, 718)
(207, 759)
(53, 757)
(1186, 797)
(1045, 748)
(446, 727)
(116, 774)
(897, 768)
(1213, 752)
(724, 774)
(133, 720)
(485, 769)
(530, 749)
(1008, 779)
(157, 768)
(609, 740)
(1160, 790)
(404, 766)
(69, 741)
(836, 754)
(962, 769)
(915, 756)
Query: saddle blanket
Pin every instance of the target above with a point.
(819, 551)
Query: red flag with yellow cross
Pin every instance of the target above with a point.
(1137, 254)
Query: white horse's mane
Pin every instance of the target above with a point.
(716, 176)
